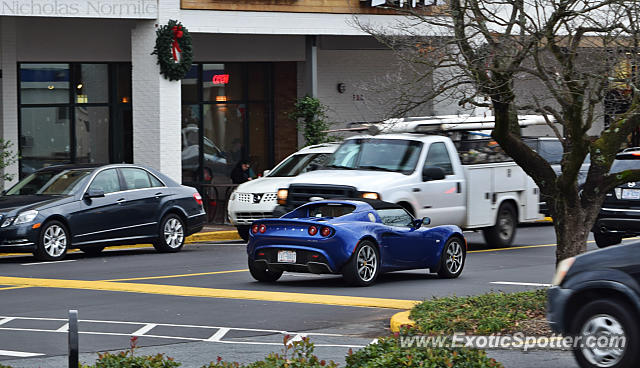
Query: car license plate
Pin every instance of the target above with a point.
(287, 256)
(630, 193)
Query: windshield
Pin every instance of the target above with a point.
(300, 163)
(50, 182)
(377, 154)
(623, 164)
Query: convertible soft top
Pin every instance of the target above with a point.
(376, 204)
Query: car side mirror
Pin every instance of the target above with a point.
(266, 172)
(432, 173)
(417, 223)
(94, 193)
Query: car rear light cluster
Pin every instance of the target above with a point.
(324, 231)
(259, 228)
(197, 198)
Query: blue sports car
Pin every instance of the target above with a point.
(358, 238)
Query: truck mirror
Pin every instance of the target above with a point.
(432, 173)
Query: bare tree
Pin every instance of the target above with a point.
(579, 54)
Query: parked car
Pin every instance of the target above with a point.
(91, 206)
(256, 199)
(217, 167)
(356, 238)
(619, 216)
(598, 294)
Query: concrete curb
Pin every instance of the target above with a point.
(401, 319)
(213, 236)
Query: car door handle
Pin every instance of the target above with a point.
(158, 195)
(121, 201)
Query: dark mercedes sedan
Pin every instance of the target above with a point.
(89, 207)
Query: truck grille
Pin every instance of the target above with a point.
(300, 194)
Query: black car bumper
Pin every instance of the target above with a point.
(306, 261)
(557, 298)
(19, 239)
(618, 222)
(196, 223)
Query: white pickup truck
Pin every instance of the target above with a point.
(426, 175)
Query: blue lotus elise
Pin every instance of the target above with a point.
(357, 238)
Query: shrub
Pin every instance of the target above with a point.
(310, 112)
(388, 353)
(295, 354)
(127, 359)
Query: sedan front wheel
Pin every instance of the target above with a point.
(53, 242)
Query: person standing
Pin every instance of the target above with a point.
(241, 173)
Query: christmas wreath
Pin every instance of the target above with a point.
(174, 50)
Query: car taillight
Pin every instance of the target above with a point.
(254, 229)
(262, 228)
(197, 197)
(325, 231)
(313, 230)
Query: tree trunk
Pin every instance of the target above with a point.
(572, 224)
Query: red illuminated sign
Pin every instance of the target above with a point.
(220, 79)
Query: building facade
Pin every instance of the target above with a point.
(80, 83)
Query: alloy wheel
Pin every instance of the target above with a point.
(54, 241)
(173, 233)
(454, 257)
(367, 263)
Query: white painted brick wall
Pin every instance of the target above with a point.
(9, 90)
(156, 100)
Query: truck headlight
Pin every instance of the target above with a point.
(282, 196)
(371, 195)
(561, 271)
(25, 217)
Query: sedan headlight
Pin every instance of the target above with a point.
(25, 217)
(233, 196)
(561, 272)
(7, 221)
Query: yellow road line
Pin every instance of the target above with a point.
(274, 296)
(184, 275)
(13, 287)
(512, 248)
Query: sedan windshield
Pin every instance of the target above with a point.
(377, 154)
(50, 182)
(298, 164)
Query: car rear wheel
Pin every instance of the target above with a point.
(53, 242)
(452, 259)
(603, 319)
(171, 237)
(364, 266)
(243, 231)
(502, 233)
(92, 251)
(604, 240)
(260, 272)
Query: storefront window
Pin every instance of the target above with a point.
(44, 83)
(75, 119)
(44, 138)
(229, 122)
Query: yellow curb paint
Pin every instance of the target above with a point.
(213, 236)
(400, 319)
(185, 275)
(273, 296)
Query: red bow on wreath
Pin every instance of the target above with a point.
(175, 46)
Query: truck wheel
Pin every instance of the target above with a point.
(260, 272)
(452, 259)
(364, 266)
(605, 240)
(243, 231)
(601, 319)
(502, 233)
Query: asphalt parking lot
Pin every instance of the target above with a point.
(202, 303)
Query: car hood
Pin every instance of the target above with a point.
(16, 203)
(264, 185)
(621, 257)
(360, 179)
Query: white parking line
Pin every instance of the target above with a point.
(144, 329)
(19, 354)
(520, 283)
(5, 320)
(43, 263)
(218, 335)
